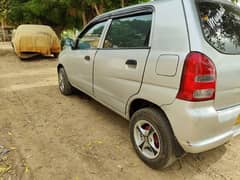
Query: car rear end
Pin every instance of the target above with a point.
(35, 39)
(208, 100)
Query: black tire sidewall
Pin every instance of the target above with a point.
(67, 86)
(159, 122)
(55, 55)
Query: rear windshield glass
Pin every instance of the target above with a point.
(221, 25)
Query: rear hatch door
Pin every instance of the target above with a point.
(220, 22)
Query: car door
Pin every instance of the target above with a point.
(119, 64)
(82, 57)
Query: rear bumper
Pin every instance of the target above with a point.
(200, 127)
(213, 142)
(38, 44)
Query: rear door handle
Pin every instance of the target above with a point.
(87, 58)
(132, 62)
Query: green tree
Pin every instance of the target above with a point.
(51, 13)
(60, 14)
(4, 6)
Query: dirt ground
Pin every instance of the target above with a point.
(50, 136)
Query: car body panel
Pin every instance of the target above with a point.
(114, 81)
(199, 126)
(80, 70)
(227, 65)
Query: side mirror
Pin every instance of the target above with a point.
(67, 42)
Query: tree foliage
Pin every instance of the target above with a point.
(59, 14)
(4, 6)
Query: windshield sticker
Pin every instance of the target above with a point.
(217, 19)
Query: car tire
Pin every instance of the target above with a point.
(151, 127)
(64, 85)
(55, 55)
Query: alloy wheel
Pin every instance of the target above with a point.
(147, 139)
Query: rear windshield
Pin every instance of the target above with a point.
(220, 25)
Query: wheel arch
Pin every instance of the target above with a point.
(140, 103)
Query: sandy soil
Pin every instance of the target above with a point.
(75, 138)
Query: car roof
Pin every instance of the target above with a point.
(144, 7)
(33, 27)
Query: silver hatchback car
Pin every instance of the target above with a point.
(170, 67)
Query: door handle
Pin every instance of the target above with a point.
(87, 58)
(131, 62)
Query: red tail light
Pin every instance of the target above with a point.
(198, 79)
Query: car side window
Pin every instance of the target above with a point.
(91, 38)
(129, 32)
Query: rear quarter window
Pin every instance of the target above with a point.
(220, 23)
